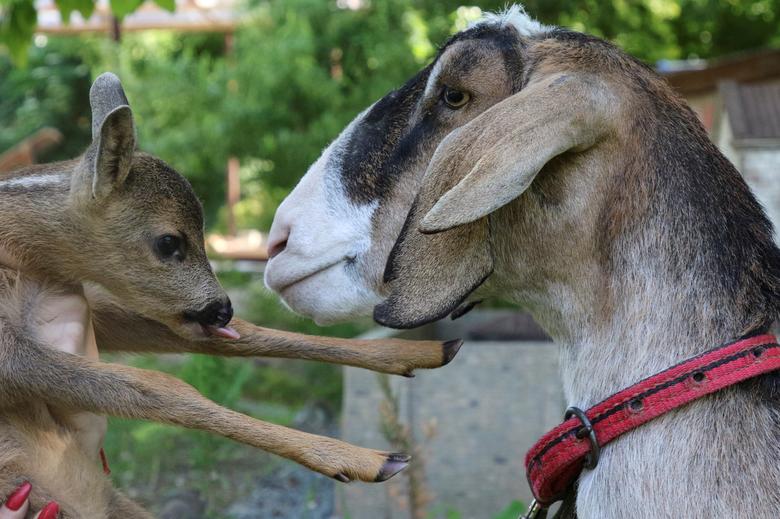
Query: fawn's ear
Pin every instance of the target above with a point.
(108, 159)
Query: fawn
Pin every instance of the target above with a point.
(108, 249)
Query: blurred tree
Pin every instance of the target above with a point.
(301, 69)
(18, 18)
(50, 91)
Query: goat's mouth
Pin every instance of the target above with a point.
(284, 283)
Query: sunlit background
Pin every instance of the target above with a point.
(241, 97)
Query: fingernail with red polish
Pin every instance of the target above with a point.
(18, 497)
(50, 511)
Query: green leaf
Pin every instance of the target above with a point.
(168, 5)
(122, 8)
(17, 25)
(66, 7)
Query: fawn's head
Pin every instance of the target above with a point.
(142, 225)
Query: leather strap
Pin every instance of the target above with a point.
(556, 460)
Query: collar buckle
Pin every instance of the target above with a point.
(592, 459)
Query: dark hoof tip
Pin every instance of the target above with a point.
(409, 375)
(341, 477)
(451, 348)
(395, 463)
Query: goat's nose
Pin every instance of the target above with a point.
(277, 240)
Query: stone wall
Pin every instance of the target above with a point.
(761, 168)
(474, 421)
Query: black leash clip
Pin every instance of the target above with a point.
(535, 511)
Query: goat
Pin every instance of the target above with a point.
(115, 238)
(549, 168)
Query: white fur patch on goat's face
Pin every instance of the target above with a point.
(331, 237)
(318, 272)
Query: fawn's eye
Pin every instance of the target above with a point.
(169, 246)
(455, 98)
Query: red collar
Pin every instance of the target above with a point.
(560, 455)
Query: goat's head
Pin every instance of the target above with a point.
(141, 226)
(332, 235)
(527, 159)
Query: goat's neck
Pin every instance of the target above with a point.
(38, 234)
(653, 329)
(616, 331)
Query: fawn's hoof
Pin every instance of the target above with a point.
(395, 463)
(450, 349)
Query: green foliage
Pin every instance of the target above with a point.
(299, 71)
(512, 511)
(657, 29)
(17, 23)
(84, 7)
(50, 91)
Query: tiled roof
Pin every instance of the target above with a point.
(753, 108)
(759, 65)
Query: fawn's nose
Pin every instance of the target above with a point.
(216, 313)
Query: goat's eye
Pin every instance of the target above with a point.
(455, 98)
(170, 246)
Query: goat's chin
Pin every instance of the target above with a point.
(330, 297)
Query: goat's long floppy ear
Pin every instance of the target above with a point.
(430, 275)
(498, 154)
(478, 168)
(108, 159)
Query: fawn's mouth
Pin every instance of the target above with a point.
(224, 332)
(203, 331)
(212, 321)
(208, 331)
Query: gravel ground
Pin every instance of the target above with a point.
(290, 492)
(255, 486)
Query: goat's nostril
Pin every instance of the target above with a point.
(274, 249)
(277, 238)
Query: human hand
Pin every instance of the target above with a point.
(64, 322)
(18, 504)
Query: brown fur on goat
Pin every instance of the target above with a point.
(575, 183)
(594, 197)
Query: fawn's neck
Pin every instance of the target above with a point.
(37, 233)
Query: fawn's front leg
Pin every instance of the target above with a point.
(29, 370)
(118, 330)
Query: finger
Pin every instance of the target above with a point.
(50, 511)
(17, 504)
